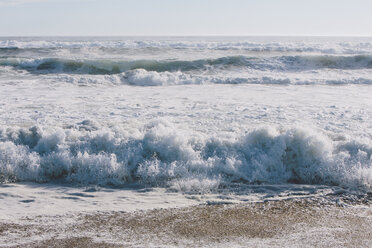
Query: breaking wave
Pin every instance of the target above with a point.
(109, 67)
(141, 77)
(103, 67)
(163, 155)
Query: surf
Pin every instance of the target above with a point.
(163, 156)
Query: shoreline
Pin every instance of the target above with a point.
(309, 222)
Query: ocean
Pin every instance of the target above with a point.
(190, 115)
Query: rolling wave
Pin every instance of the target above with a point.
(109, 67)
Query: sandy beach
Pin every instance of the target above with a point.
(310, 222)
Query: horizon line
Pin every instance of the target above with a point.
(195, 35)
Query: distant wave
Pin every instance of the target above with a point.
(109, 67)
(103, 66)
(305, 46)
(160, 154)
(327, 61)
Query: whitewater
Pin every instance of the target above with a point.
(92, 123)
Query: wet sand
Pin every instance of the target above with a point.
(287, 223)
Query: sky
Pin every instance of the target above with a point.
(185, 17)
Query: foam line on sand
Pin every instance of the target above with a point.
(311, 222)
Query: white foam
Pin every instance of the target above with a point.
(325, 45)
(168, 157)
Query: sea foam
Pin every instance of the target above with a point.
(166, 156)
(324, 45)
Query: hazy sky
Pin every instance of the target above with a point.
(185, 17)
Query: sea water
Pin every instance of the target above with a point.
(186, 114)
